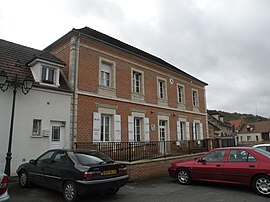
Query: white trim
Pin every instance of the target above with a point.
(130, 128)
(146, 129)
(96, 126)
(141, 82)
(117, 128)
(133, 102)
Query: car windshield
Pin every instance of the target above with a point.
(92, 158)
(263, 152)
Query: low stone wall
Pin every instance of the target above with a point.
(140, 170)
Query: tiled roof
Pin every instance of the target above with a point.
(14, 59)
(236, 123)
(88, 32)
(257, 127)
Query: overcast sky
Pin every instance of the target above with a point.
(225, 43)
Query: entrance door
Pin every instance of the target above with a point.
(57, 135)
(162, 136)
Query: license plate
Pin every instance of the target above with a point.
(109, 172)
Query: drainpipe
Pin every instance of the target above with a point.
(77, 41)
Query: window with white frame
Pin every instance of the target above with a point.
(106, 127)
(181, 94)
(106, 74)
(137, 82)
(195, 99)
(182, 130)
(137, 129)
(36, 131)
(48, 75)
(56, 133)
(197, 130)
(162, 89)
(105, 131)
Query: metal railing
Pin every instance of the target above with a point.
(133, 151)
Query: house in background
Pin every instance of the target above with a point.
(236, 126)
(255, 132)
(42, 117)
(219, 129)
(123, 94)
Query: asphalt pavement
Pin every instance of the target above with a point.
(159, 189)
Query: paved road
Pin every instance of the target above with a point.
(155, 190)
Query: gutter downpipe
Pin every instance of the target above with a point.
(75, 89)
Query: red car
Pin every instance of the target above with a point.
(235, 165)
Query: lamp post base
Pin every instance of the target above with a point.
(8, 160)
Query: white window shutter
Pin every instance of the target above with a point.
(201, 131)
(146, 130)
(178, 131)
(194, 130)
(96, 126)
(117, 128)
(187, 131)
(131, 129)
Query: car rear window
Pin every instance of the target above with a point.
(263, 152)
(92, 158)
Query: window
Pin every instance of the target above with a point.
(36, 131)
(162, 130)
(105, 74)
(241, 156)
(137, 129)
(215, 156)
(182, 130)
(161, 87)
(248, 138)
(55, 133)
(45, 158)
(137, 82)
(180, 94)
(195, 98)
(105, 132)
(48, 75)
(196, 131)
(92, 158)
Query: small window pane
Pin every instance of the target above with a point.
(36, 131)
(55, 133)
(215, 156)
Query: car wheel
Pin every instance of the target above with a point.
(70, 191)
(184, 176)
(23, 179)
(261, 184)
(112, 191)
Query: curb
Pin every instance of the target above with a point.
(13, 180)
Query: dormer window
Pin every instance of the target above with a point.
(48, 75)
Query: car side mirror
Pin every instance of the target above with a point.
(33, 161)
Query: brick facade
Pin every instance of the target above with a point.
(120, 100)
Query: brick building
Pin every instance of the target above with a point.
(123, 94)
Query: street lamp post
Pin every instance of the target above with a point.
(15, 83)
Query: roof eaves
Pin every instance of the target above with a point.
(169, 66)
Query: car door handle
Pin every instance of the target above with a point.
(251, 166)
(218, 165)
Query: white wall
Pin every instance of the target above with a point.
(252, 137)
(37, 104)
